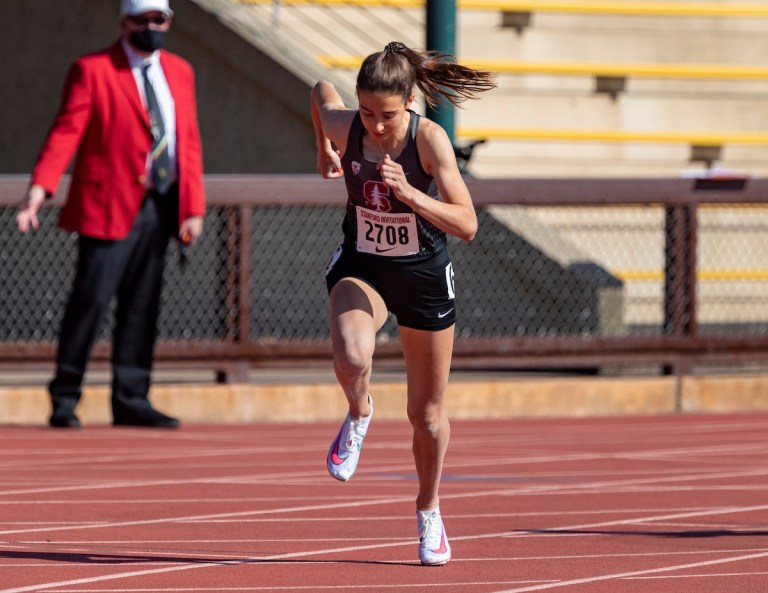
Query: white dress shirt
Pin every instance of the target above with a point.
(164, 100)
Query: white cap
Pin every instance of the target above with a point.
(134, 7)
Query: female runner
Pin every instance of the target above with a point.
(405, 193)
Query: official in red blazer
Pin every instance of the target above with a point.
(128, 117)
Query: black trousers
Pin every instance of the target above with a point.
(130, 269)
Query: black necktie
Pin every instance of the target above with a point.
(161, 162)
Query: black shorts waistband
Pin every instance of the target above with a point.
(410, 262)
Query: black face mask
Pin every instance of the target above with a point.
(148, 40)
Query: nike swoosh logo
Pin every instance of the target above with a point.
(335, 453)
(441, 315)
(378, 250)
(442, 549)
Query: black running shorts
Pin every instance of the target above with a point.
(419, 294)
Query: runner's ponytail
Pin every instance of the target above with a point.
(398, 69)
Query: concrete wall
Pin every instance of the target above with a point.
(319, 399)
(253, 111)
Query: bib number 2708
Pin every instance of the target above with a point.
(389, 234)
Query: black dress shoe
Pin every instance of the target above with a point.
(64, 420)
(145, 416)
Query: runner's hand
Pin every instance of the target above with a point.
(329, 163)
(393, 175)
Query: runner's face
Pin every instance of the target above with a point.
(382, 113)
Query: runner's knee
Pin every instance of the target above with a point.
(428, 420)
(353, 359)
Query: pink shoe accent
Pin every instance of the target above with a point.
(443, 548)
(335, 451)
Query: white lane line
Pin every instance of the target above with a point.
(261, 478)
(625, 555)
(58, 458)
(536, 587)
(301, 587)
(198, 565)
(698, 576)
(336, 519)
(566, 530)
(602, 485)
(536, 489)
(732, 527)
(636, 573)
(111, 577)
(318, 507)
(280, 478)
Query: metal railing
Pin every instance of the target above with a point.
(532, 292)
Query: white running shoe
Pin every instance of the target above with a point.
(434, 548)
(345, 449)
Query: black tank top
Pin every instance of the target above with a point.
(376, 222)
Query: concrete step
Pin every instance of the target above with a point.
(589, 159)
(593, 38)
(582, 109)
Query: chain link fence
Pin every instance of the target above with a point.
(505, 284)
(547, 273)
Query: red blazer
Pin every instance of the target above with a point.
(101, 117)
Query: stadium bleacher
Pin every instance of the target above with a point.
(646, 85)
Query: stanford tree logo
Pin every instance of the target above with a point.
(376, 194)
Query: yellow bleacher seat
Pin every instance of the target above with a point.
(648, 70)
(660, 137)
(648, 8)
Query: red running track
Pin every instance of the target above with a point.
(631, 504)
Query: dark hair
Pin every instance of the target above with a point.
(398, 68)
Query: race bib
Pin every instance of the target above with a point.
(386, 233)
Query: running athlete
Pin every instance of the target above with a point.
(405, 192)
